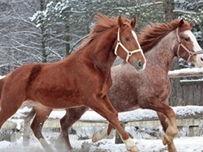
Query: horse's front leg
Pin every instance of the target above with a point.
(105, 132)
(169, 132)
(104, 107)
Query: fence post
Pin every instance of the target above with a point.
(194, 131)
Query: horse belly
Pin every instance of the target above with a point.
(55, 98)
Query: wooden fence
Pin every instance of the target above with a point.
(187, 116)
(189, 87)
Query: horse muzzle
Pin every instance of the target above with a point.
(139, 65)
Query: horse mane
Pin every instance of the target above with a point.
(153, 33)
(102, 23)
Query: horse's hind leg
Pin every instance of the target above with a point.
(26, 132)
(71, 116)
(7, 109)
(166, 114)
(165, 125)
(12, 98)
(42, 114)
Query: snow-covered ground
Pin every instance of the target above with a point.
(183, 144)
(134, 115)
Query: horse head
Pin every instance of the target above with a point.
(188, 47)
(127, 46)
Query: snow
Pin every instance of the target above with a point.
(183, 144)
(134, 115)
(186, 71)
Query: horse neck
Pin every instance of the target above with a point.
(100, 50)
(162, 55)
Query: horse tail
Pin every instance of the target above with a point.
(2, 80)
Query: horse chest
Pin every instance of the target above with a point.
(157, 88)
(161, 91)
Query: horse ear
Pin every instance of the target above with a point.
(191, 24)
(133, 22)
(181, 23)
(120, 22)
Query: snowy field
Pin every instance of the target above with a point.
(183, 144)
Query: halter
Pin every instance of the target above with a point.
(188, 51)
(129, 53)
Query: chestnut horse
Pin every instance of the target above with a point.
(148, 90)
(81, 79)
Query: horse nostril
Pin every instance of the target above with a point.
(140, 64)
(201, 59)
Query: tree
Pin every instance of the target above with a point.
(20, 42)
(16, 33)
(77, 19)
(45, 34)
(168, 10)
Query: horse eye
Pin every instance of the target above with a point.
(127, 39)
(187, 39)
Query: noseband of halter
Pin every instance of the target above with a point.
(129, 53)
(190, 53)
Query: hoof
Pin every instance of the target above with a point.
(133, 149)
(171, 147)
(165, 140)
(94, 139)
(172, 150)
(99, 135)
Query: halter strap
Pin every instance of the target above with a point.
(186, 49)
(129, 53)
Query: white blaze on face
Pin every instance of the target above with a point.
(196, 47)
(136, 39)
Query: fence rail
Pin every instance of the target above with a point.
(187, 116)
(188, 72)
